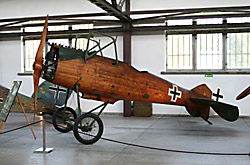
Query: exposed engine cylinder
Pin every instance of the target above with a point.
(50, 65)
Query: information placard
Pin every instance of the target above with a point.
(9, 100)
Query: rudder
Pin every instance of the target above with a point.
(203, 90)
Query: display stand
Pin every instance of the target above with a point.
(2, 126)
(4, 113)
(26, 117)
(44, 149)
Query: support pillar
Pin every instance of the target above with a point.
(127, 55)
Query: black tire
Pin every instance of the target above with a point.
(88, 128)
(59, 123)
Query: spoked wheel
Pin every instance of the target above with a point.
(88, 128)
(63, 120)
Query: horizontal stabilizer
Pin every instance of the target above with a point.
(226, 111)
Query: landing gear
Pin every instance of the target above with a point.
(63, 119)
(88, 128)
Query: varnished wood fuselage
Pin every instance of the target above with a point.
(100, 79)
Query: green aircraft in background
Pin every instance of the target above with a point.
(50, 96)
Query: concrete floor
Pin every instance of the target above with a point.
(178, 133)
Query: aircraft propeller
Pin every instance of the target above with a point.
(38, 64)
(243, 94)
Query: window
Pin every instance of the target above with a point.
(238, 20)
(30, 45)
(238, 50)
(80, 42)
(210, 21)
(209, 51)
(204, 51)
(30, 49)
(179, 51)
(238, 46)
(179, 22)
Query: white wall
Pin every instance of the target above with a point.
(27, 8)
(148, 52)
(182, 4)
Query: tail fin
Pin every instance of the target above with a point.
(197, 109)
(202, 90)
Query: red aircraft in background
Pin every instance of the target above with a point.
(243, 94)
(109, 80)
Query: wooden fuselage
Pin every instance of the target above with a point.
(100, 79)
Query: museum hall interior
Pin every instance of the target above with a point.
(125, 82)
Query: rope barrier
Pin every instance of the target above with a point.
(143, 146)
(170, 150)
(21, 127)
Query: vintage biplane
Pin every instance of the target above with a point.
(243, 94)
(108, 80)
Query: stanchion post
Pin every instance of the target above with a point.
(44, 137)
(44, 149)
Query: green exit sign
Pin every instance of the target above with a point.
(209, 75)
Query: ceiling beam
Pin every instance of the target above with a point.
(96, 22)
(198, 10)
(56, 17)
(112, 10)
(137, 26)
(229, 27)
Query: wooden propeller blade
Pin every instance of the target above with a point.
(38, 66)
(39, 53)
(36, 77)
(243, 94)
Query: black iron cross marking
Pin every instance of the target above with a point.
(174, 93)
(217, 95)
(57, 90)
(1, 100)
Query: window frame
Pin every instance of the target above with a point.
(70, 38)
(194, 69)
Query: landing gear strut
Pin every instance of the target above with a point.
(87, 127)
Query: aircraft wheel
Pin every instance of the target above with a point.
(63, 121)
(88, 128)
